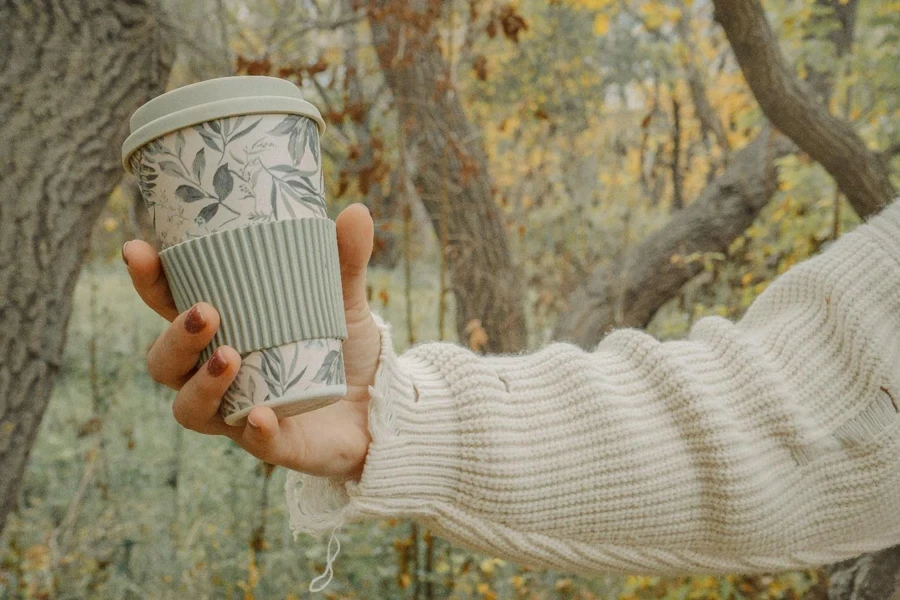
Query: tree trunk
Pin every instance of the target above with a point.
(793, 108)
(72, 72)
(873, 576)
(449, 171)
(651, 274)
(386, 207)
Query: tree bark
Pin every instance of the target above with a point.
(386, 207)
(873, 576)
(792, 107)
(652, 272)
(72, 72)
(449, 171)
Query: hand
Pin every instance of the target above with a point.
(331, 441)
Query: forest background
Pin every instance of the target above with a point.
(537, 170)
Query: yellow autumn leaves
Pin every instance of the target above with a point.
(653, 13)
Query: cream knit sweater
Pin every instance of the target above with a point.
(762, 445)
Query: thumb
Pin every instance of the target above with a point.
(263, 437)
(355, 234)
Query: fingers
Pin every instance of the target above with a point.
(196, 405)
(148, 277)
(355, 234)
(174, 355)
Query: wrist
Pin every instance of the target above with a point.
(409, 403)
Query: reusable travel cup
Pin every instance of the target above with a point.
(231, 172)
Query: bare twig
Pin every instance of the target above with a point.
(794, 109)
(59, 535)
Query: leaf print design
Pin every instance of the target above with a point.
(338, 372)
(189, 193)
(171, 167)
(223, 182)
(154, 147)
(297, 147)
(318, 201)
(274, 200)
(271, 370)
(244, 131)
(199, 164)
(278, 377)
(303, 133)
(332, 369)
(207, 213)
(213, 176)
(314, 146)
(179, 142)
(289, 374)
(294, 381)
(291, 170)
(286, 126)
(207, 139)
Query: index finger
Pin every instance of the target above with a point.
(148, 278)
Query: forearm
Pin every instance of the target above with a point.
(767, 444)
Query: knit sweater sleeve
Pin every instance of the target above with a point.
(766, 444)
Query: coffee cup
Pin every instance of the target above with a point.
(230, 170)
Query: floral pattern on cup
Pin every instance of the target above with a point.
(275, 372)
(230, 173)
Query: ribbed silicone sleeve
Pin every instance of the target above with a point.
(272, 283)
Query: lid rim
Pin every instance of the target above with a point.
(208, 111)
(211, 90)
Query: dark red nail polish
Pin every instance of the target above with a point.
(217, 364)
(194, 321)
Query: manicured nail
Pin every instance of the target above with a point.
(194, 321)
(252, 423)
(125, 258)
(217, 364)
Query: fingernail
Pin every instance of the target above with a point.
(252, 423)
(217, 364)
(125, 258)
(194, 321)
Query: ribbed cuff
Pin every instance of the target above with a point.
(411, 462)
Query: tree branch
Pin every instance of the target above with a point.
(891, 151)
(629, 295)
(791, 106)
(706, 114)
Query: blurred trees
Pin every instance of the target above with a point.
(793, 108)
(72, 73)
(575, 165)
(648, 278)
(449, 170)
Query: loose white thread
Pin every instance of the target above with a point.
(330, 556)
